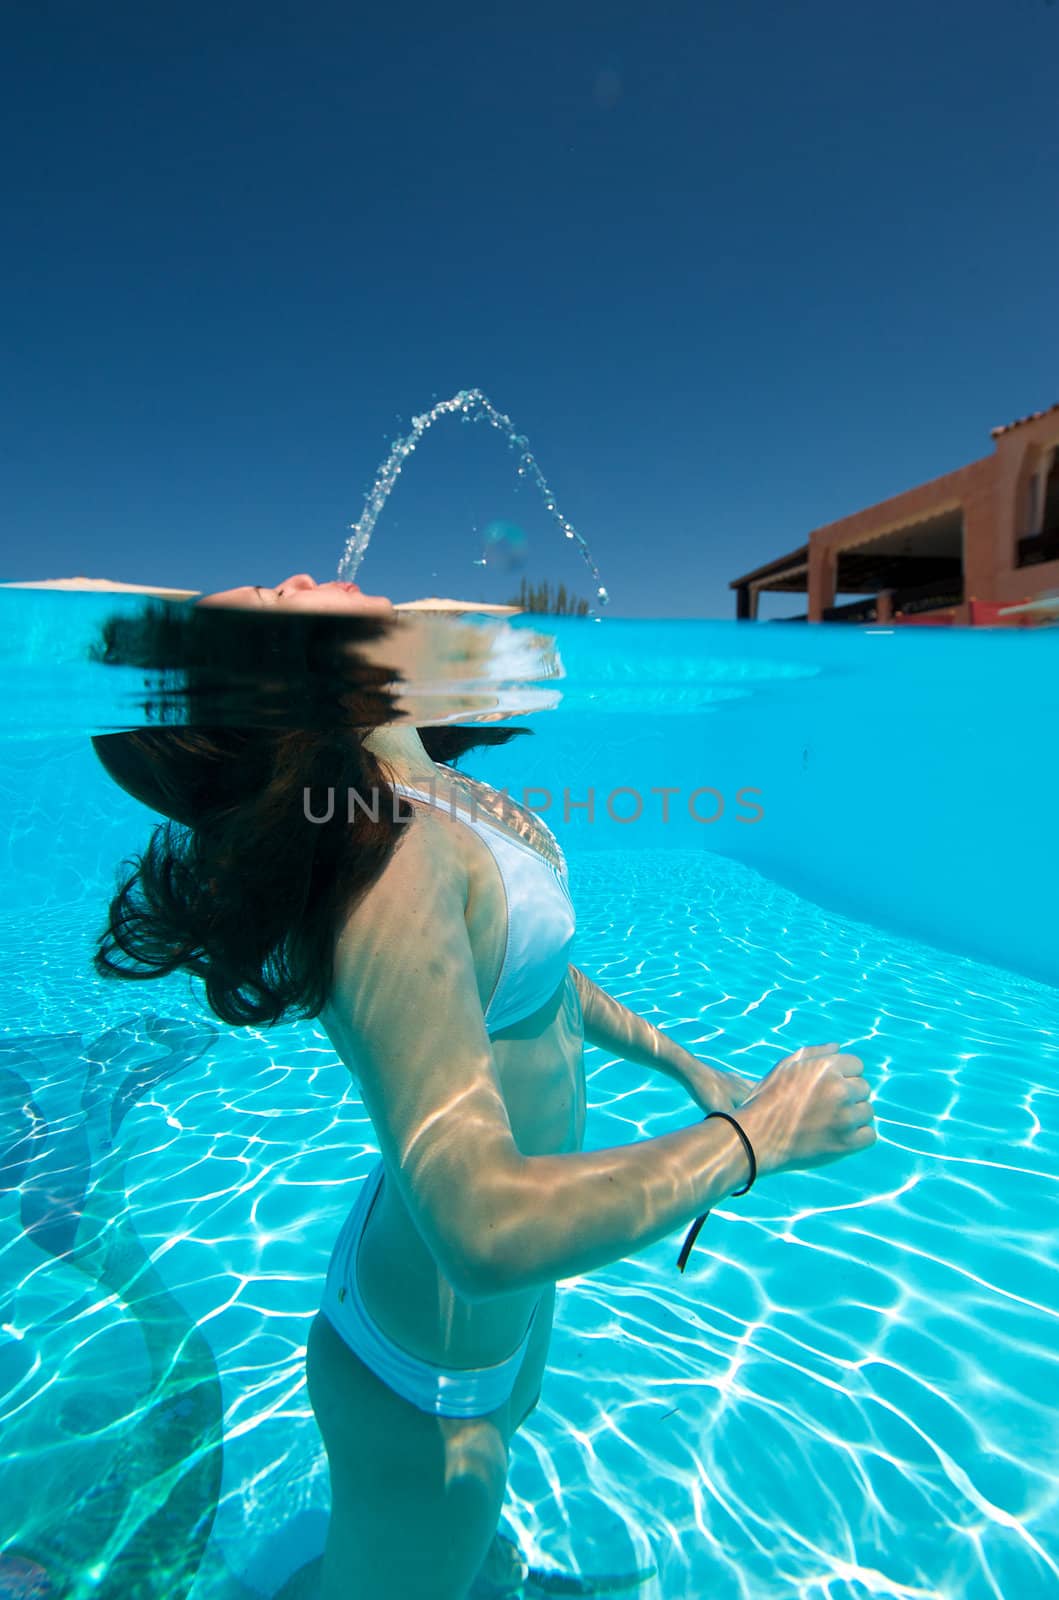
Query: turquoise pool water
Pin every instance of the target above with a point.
(849, 1393)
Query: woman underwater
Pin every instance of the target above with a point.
(433, 949)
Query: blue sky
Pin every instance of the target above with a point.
(735, 270)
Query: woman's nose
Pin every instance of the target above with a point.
(300, 580)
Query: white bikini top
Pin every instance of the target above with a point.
(540, 917)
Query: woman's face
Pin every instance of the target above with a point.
(302, 593)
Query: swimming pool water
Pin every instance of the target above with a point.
(849, 1393)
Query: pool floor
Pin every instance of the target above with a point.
(847, 1394)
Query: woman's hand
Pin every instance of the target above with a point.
(815, 1107)
(716, 1088)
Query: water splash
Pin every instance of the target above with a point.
(471, 405)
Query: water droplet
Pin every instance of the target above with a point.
(473, 406)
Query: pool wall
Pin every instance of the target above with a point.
(906, 779)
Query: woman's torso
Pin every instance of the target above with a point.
(539, 1066)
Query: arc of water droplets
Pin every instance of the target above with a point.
(473, 406)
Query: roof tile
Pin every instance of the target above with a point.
(1033, 416)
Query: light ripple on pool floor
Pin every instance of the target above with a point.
(848, 1393)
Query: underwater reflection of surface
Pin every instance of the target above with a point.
(214, 666)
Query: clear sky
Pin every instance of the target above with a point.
(735, 269)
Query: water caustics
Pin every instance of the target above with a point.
(471, 405)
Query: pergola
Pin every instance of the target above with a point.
(917, 565)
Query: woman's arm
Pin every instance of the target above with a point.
(620, 1032)
(406, 1009)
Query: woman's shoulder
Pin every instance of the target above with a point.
(421, 876)
(408, 924)
(430, 846)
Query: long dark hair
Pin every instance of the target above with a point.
(238, 887)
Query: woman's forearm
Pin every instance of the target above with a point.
(614, 1028)
(569, 1214)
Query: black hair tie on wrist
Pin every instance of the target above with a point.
(696, 1226)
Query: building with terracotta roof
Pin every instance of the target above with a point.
(968, 547)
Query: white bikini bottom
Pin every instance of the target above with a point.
(442, 1391)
